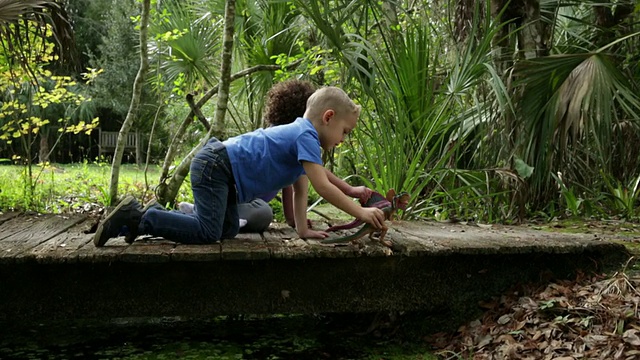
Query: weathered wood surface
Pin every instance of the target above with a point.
(60, 239)
(50, 269)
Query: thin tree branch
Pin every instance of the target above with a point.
(196, 110)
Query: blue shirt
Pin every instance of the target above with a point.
(266, 160)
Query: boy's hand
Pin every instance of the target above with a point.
(373, 216)
(312, 234)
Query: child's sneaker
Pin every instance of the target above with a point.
(128, 213)
(130, 236)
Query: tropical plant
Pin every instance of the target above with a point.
(420, 119)
(569, 109)
(622, 198)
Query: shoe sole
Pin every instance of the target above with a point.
(96, 238)
(128, 239)
(150, 204)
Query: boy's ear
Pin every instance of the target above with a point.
(390, 194)
(327, 115)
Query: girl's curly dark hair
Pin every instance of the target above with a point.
(287, 101)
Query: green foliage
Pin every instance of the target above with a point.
(89, 27)
(622, 198)
(414, 131)
(572, 201)
(32, 103)
(119, 60)
(569, 103)
(187, 44)
(278, 212)
(442, 115)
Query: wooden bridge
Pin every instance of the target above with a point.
(50, 270)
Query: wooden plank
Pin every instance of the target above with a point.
(61, 248)
(147, 252)
(6, 216)
(467, 239)
(109, 253)
(363, 247)
(36, 231)
(284, 243)
(245, 247)
(407, 244)
(199, 253)
(15, 225)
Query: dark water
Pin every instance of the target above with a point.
(274, 337)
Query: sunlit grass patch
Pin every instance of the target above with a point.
(61, 188)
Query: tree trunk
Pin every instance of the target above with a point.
(167, 193)
(534, 36)
(43, 151)
(135, 103)
(218, 129)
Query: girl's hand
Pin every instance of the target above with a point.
(292, 223)
(312, 234)
(363, 193)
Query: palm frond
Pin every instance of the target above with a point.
(190, 43)
(573, 102)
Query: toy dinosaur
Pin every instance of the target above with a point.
(389, 205)
(375, 200)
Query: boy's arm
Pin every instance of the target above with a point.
(318, 177)
(300, 198)
(363, 193)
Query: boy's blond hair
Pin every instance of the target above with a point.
(333, 98)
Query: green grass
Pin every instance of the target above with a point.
(61, 188)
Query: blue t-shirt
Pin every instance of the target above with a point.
(266, 160)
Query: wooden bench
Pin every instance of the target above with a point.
(107, 141)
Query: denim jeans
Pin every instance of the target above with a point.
(215, 197)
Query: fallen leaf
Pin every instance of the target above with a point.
(631, 337)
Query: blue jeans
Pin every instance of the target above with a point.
(215, 197)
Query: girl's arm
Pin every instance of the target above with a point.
(300, 193)
(363, 193)
(287, 205)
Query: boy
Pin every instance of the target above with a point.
(245, 166)
(284, 102)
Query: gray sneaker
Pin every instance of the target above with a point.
(130, 236)
(127, 214)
